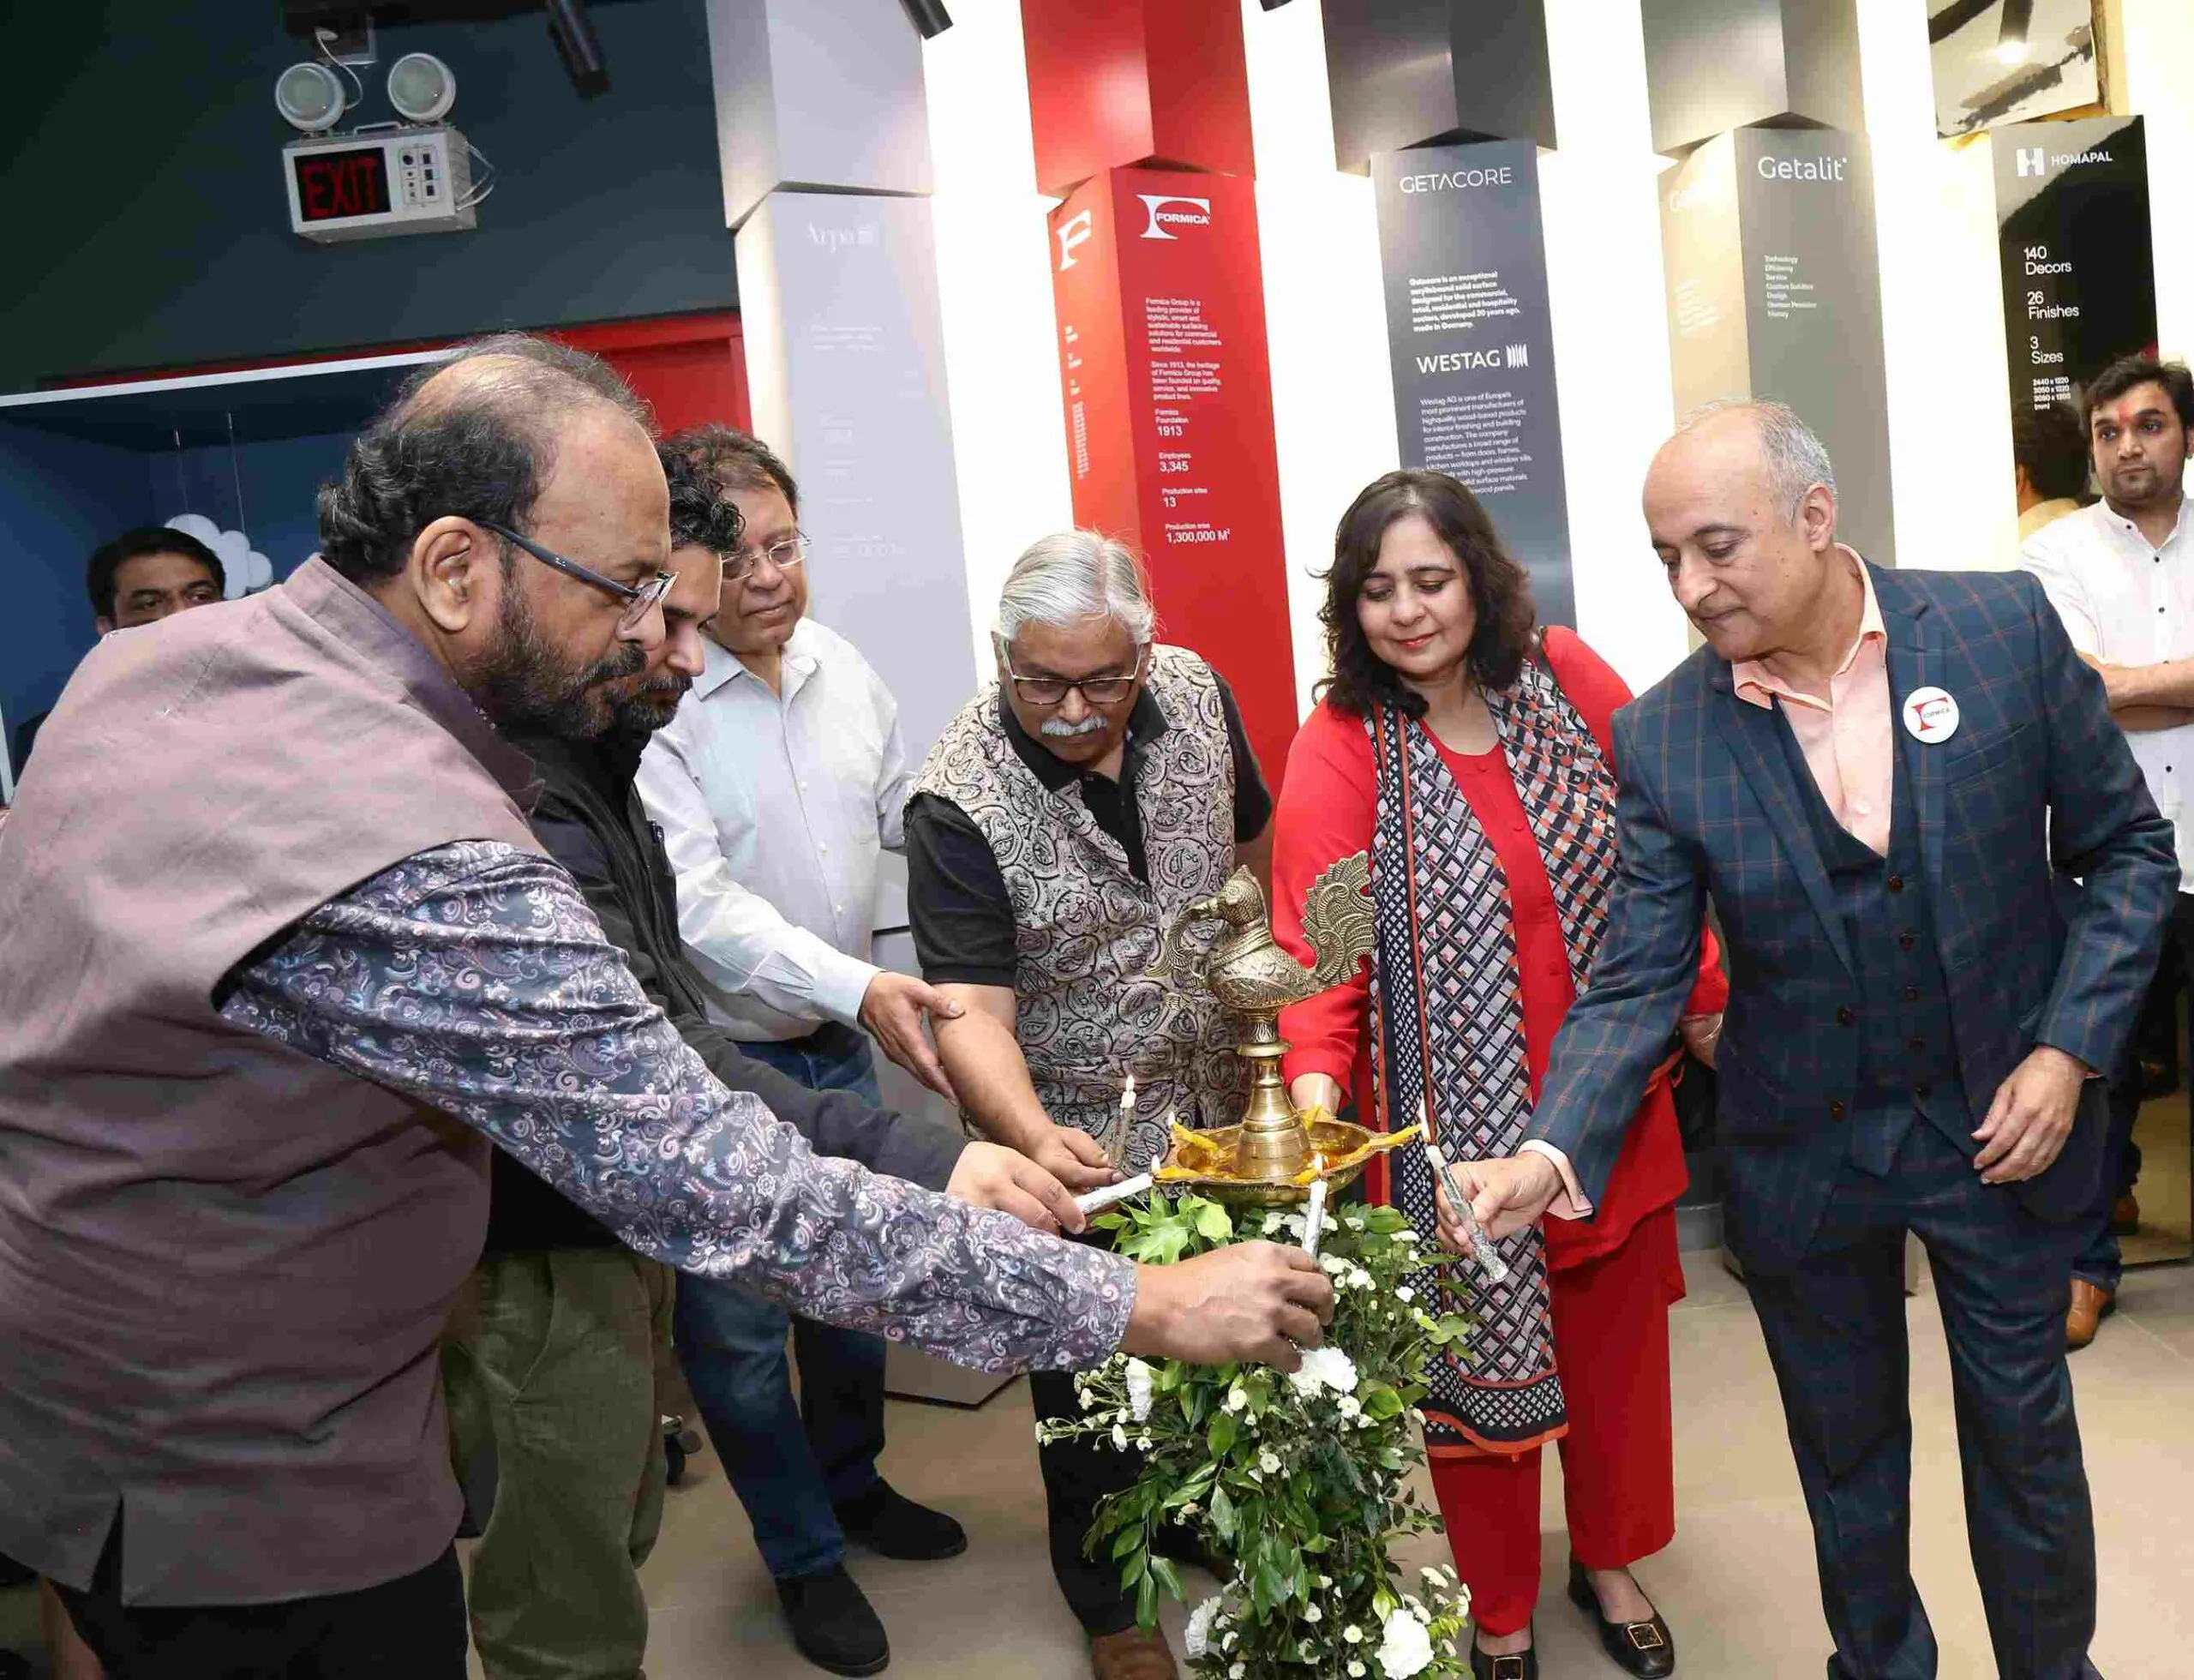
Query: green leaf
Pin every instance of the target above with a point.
(1213, 1223)
(1221, 1437)
(1137, 1568)
(1146, 1602)
(1382, 1402)
(1168, 1577)
(1223, 1516)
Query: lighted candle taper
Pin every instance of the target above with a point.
(1489, 1257)
(1123, 1126)
(1314, 1209)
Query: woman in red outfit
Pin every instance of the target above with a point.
(1469, 760)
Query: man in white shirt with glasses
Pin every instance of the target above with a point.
(2121, 575)
(777, 787)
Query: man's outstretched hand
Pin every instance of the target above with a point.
(990, 1175)
(1249, 1302)
(1506, 1195)
(1073, 1157)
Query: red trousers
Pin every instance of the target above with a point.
(1618, 1475)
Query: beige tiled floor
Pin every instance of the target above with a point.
(1737, 1585)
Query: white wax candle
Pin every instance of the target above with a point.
(1314, 1215)
(1096, 1201)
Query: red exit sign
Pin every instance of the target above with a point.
(332, 185)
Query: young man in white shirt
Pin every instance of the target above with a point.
(2121, 575)
(776, 787)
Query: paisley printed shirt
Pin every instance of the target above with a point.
(474, 978)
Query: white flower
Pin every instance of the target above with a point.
(1433, 1579)
(1334, 1265)
(1229, 1643)
(1272, 1223)
(1297, 1225)
(1359, 1279)
(1347, 1406)
(1407, 1647)
(1268, 1462)
(1143, 1444)
(1236, 1398)
(1198, 1642)
(1325, 1583)
(1352, 1634)
(1119, 1437)
(1408, 1233)
(1324, 1367)
(1311, 1613)
(1238, 1671)
(1403, 1293)
(1140, 1379)
(1356, 1671)
(1462, 1594)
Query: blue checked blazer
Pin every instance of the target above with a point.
(2036, 788)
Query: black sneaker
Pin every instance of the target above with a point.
(833, 1623)
(891, 1525)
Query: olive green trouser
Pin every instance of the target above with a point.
(550, 1363)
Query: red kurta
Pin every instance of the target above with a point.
(1610, 1279)
(1327, 810)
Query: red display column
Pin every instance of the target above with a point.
(1140, 116)
(1168, 398)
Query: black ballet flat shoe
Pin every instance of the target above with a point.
(1645, 1648)
(1516, 1666)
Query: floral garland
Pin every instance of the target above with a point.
(1299, 1479)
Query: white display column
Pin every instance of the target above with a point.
(824, 131)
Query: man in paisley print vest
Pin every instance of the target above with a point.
(1067, 815)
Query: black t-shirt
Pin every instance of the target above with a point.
(956, 901)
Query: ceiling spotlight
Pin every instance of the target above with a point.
(311, 96)
(577, 45)
(930, 18)
(2011, 40)
(420, 87)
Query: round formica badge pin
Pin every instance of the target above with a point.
(1930, 715)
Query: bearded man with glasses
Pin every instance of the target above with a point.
(1066, 816)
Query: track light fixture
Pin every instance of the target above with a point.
(929, 17)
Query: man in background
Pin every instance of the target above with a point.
(2049, 465)
(553, 1351)
(777, 787)
(139, 577)
(2121, 575)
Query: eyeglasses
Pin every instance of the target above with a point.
(639, 600)
(1096, 690)
(784, 555)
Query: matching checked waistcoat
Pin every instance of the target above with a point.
(1087, 931)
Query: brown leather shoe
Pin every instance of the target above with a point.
(2125, 1216)
(1133, 1653)
(2091, 1305)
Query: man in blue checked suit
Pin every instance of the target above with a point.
(1943, 885)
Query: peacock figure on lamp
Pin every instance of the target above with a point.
(1272, 1154)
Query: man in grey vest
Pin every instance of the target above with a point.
(1065, 816)
(284, 956)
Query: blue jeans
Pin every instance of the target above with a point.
(788, 1464)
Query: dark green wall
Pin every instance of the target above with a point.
(147, 226)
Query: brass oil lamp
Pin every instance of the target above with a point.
(1271, 1156)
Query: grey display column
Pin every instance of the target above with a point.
(823, 132)
(1767, 241)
